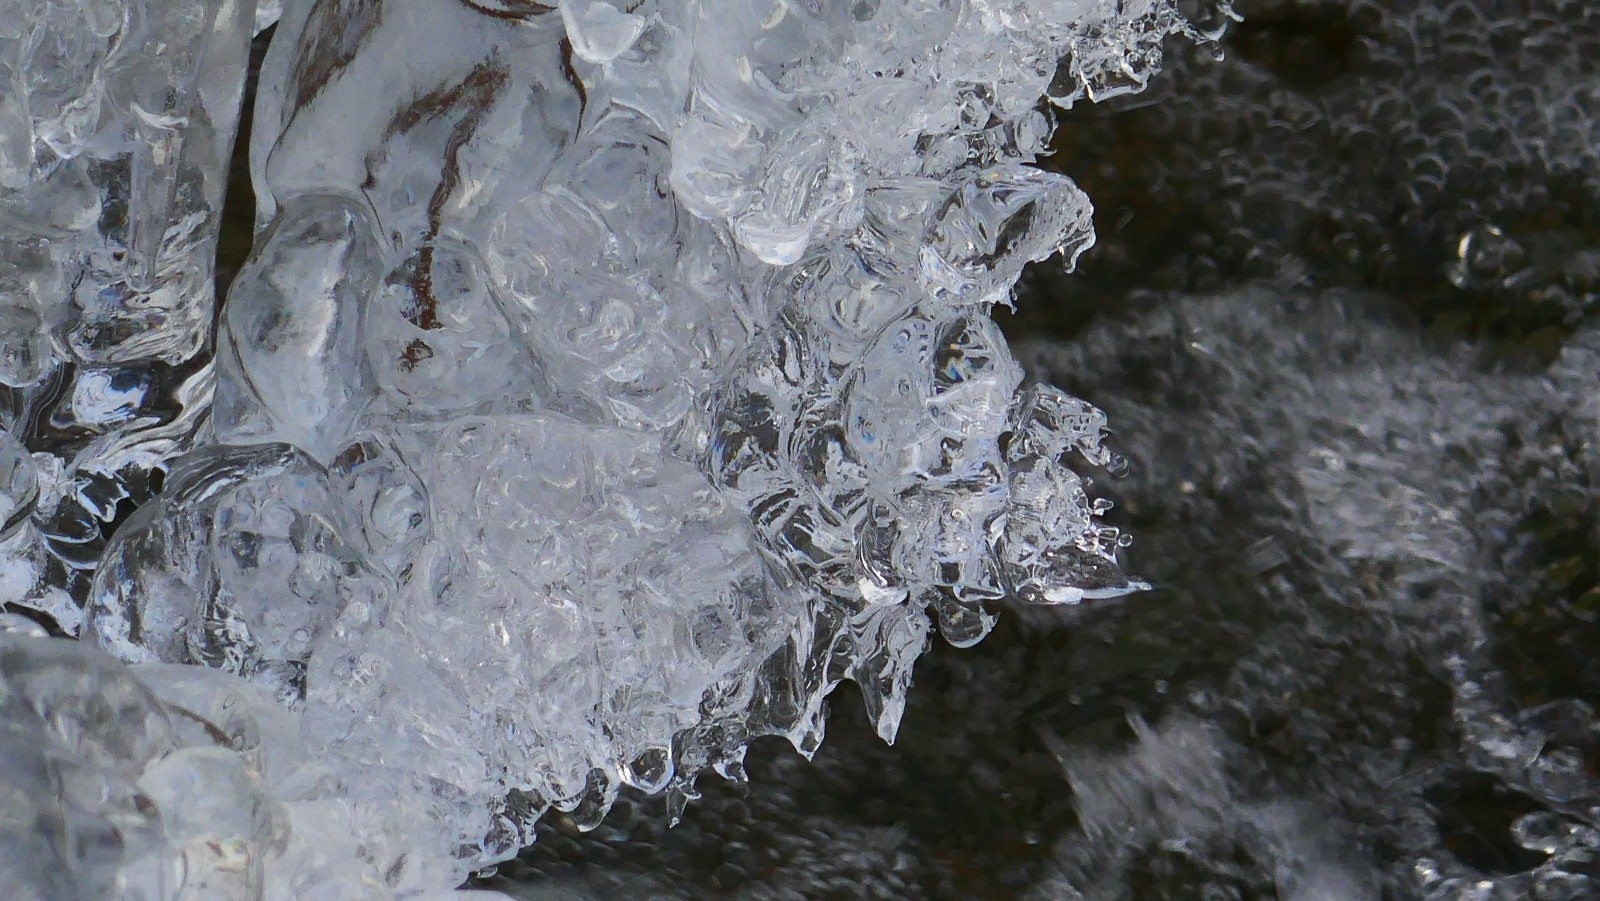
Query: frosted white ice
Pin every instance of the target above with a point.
(606, 384)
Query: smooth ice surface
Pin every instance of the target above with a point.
(605, 386)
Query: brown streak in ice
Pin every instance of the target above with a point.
(472, 98)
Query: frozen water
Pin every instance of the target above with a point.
(1360, 447)
(116, 126)
(605, 386)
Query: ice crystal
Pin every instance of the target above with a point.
(606, 384)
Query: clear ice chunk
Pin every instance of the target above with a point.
(241, 564)
(288, 355)
(116, 125)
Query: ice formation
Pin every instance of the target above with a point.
(1343, 307)
(605, 385)
(116, 125)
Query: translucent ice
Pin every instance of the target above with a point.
(606, 384)
(116, 122)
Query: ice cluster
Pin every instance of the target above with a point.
(606, 384)
(1345, 307)
(116, 123)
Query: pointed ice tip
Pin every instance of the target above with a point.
(1071, 595)
(678, 798)
(888, 727)
(884, 710)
